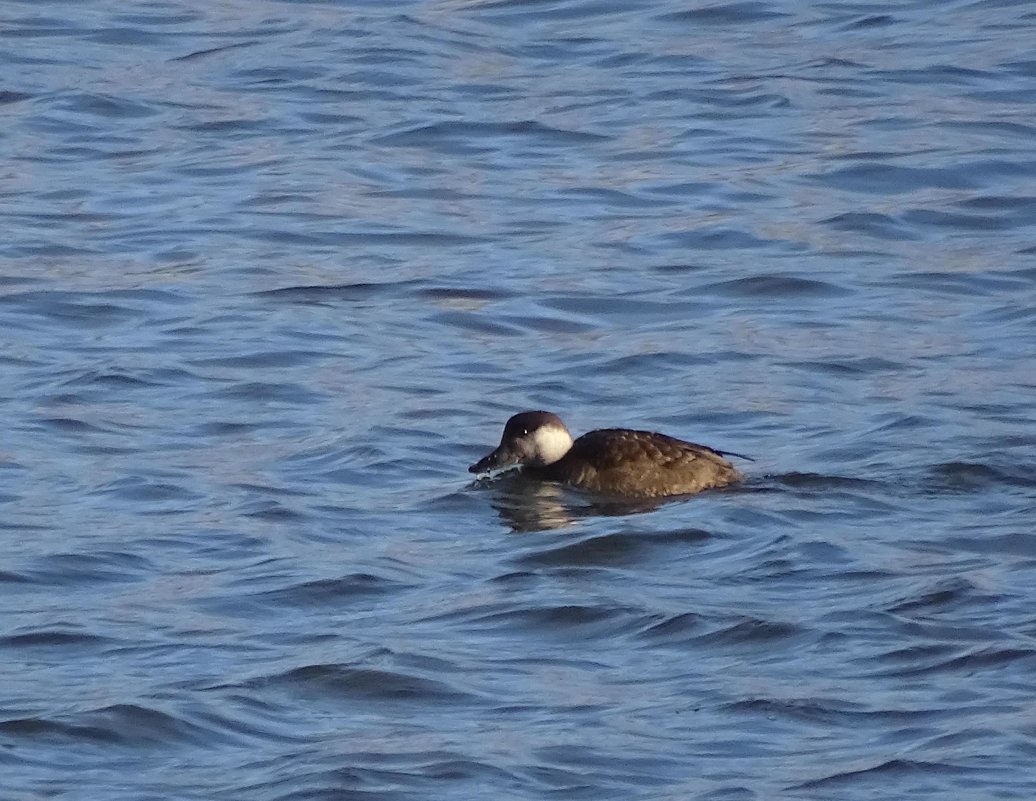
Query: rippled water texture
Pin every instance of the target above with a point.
(274, 273)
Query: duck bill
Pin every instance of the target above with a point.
(501, 457)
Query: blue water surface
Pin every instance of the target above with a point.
(274, 273)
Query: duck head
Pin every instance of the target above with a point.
(534, 439)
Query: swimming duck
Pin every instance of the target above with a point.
(609, 461)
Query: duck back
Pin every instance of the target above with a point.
(638, 464)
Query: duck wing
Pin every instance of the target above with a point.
(619, 461)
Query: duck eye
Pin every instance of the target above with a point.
(525, 432)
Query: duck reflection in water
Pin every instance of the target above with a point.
(528, 504)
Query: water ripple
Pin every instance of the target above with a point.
(271, 280)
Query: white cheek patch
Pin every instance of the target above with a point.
(551, 444)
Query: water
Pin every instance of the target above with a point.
(274, 274)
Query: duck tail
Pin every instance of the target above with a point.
(731, 453)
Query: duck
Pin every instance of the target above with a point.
(618, 462)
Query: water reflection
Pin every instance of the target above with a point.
(526, 504)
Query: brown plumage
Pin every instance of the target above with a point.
(610, 461)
